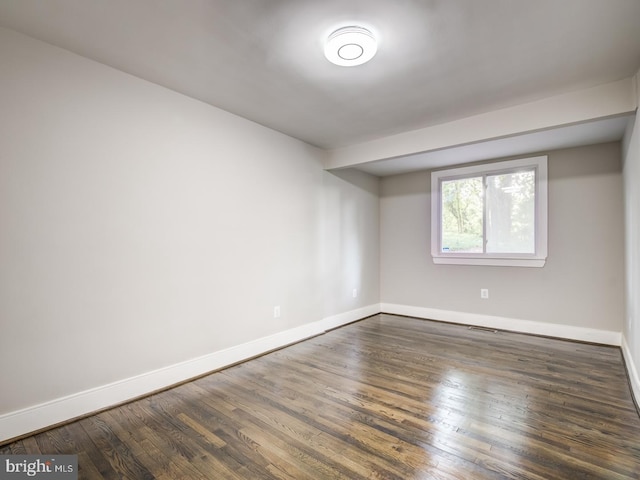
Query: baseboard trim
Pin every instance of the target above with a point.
(38, 417)
(605, 337)
(335, 321)
(632, 372)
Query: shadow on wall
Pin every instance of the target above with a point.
(349, 260)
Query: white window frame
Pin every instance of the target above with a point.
(536, 259)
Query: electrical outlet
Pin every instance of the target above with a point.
(484, 293)
(276, 311)
(355, 292)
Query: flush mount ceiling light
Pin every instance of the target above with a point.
(350, 46)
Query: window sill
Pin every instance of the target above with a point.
(492, 262)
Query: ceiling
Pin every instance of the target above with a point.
(438, 60)
(587, 133)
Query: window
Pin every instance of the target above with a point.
(491, 214)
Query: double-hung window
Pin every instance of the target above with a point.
(490, 214)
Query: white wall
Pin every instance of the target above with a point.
(631, 332)
(141, 229)
(579, 292)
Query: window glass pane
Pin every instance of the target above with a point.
(462, 210)
(511, 212)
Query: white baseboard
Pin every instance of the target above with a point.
(634, 378)
(335, 321)
(37, 417)
(570, 332)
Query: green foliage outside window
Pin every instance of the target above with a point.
(509, 225)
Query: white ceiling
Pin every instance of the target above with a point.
(587, 133)
(438, 60)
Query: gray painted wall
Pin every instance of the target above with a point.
(582, 283)
(631, 330)
(141, 228)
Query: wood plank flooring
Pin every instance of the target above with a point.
(385, 398)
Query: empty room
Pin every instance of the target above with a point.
(303, 239)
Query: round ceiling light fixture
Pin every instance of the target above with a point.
(350, 46)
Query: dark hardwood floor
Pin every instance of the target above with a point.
(385, 398)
